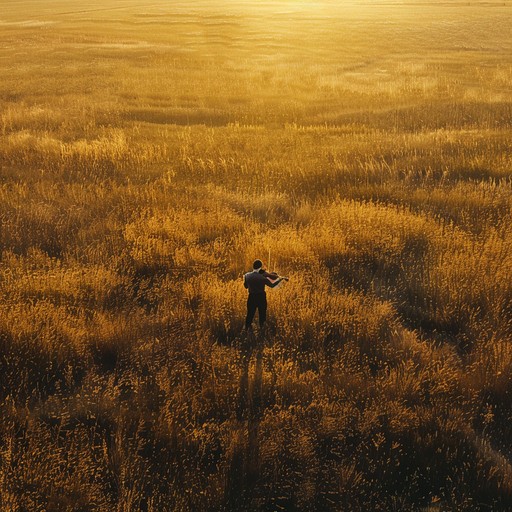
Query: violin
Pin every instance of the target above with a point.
(272, 275)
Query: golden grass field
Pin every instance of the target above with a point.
(150, 151)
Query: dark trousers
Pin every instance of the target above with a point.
(256, 301)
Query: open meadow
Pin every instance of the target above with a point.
(150, 151)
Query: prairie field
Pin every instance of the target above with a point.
(150, 151)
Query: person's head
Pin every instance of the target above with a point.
(257, 265)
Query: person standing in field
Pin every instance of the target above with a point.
(255, 281)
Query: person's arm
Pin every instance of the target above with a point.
(271, 276)
(273, 283)
(245, 283)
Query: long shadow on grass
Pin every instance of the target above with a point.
(243, 483)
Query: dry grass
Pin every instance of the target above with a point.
(148, 153)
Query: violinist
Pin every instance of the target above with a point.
(255, 282)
